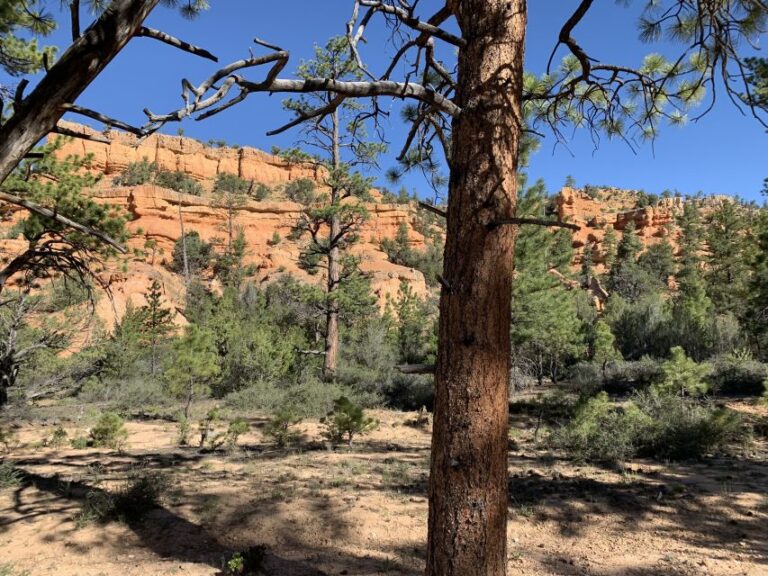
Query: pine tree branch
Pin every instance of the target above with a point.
(47, 213)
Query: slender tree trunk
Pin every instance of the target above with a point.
(334, 272)
(184, 257)
(83, 61)
(468, 482)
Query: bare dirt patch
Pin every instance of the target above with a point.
(363, 510)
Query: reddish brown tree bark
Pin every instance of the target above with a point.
(468, 486)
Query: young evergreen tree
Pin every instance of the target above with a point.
(609, 248)
(546, 329)
(658, 262)
(192, 367)
(757, 301)
(158, 323)
(604, 345)
(331, 221)
(231, 193)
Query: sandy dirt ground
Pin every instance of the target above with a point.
(363, 510)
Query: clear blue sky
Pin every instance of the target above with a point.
(724, 153)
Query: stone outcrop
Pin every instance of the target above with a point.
(154, 219)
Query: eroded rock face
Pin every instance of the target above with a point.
(597, 213)
(154, 219)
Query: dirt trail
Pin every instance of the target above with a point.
(362, 511)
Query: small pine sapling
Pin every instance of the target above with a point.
(236, 428)
(279, 427)
(109, 432)
(346, 421)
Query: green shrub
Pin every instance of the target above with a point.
(734, 374)
(260, 395)
(10, 476)
(279, 426)
(682, 375)
(275, 240)
(139, 494)
(206, 428)
(231, 183)
(628, 376)
(236, 428)
(58, 439)
(79, 443)
(199, 253)
(346, 421)
(260, 192)
(178, 181)
(586, 378)
(8, 439)
(137, 173)
(410, 391)
(301, 191)
(661, 426)
(109, 431)
(602, 431)
(684, 429)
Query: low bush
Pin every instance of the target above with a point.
(8, 439)
(661, 426)
(109, 432)
(139, 494)
(627, 377)
(586, 378)
(178, 181)
(410, 391)
(684, 429)
(79, 442)
(58, 439)
(735, 375)
(346, 421)
(310, 398)
(602, 431)
(10, 476)
(137, 173)
(279, 427)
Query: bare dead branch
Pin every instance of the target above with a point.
(64, 131)
(534, 222)
(74, 15)
(176, 43)
(416, 368)
(74, 108)
(433, 209)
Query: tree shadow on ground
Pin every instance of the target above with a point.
(684, 501)
(169, 535)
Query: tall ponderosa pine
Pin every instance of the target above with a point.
(727, 270)
(692, 310)
(331, 220)
(476, 115)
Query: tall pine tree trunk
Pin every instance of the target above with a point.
(334, 269)
(468, 482)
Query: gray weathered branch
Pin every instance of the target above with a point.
(176, 43)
